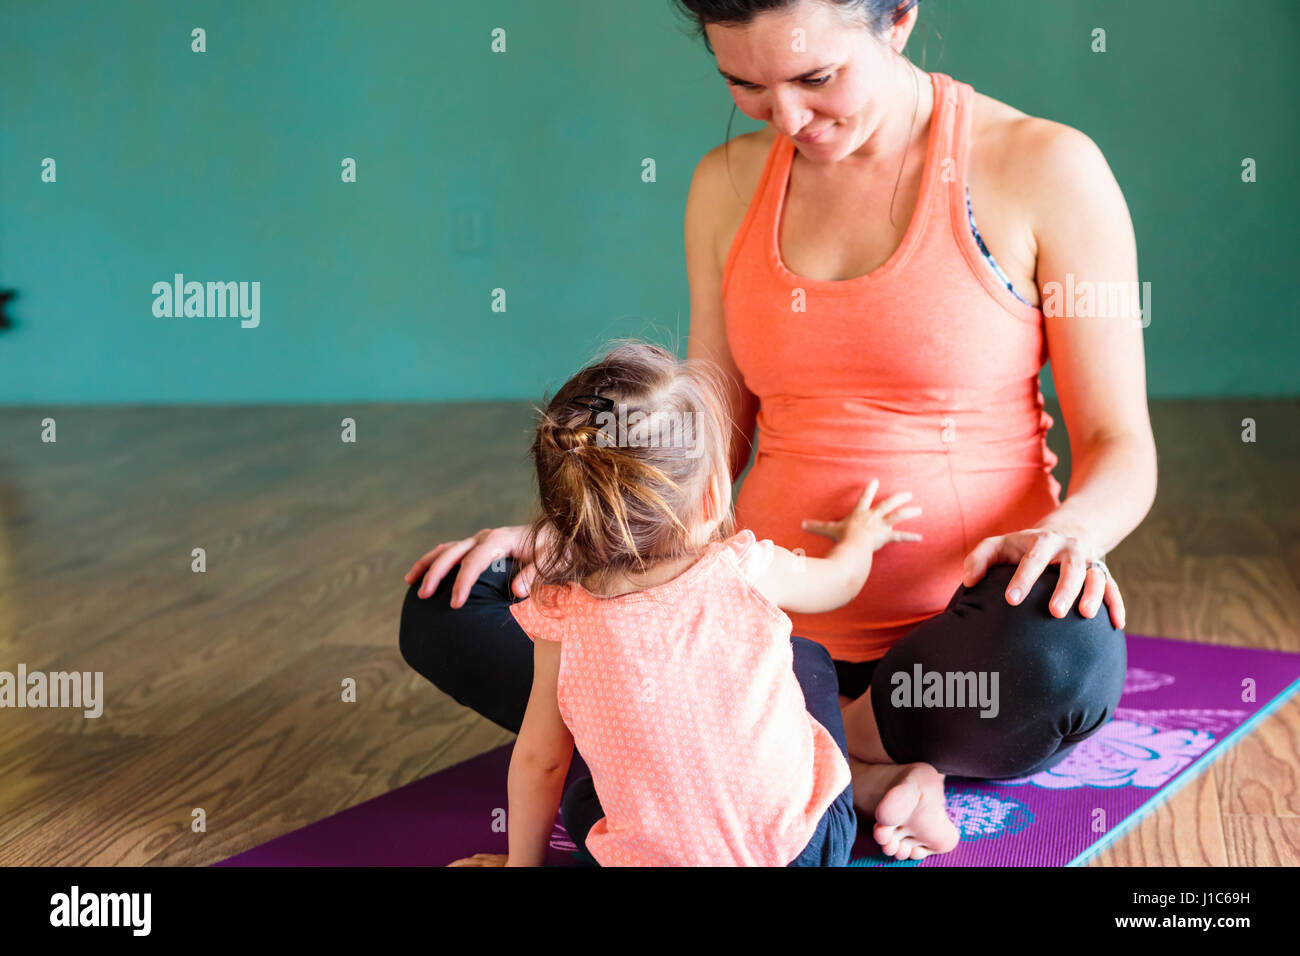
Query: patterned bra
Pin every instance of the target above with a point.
(988, 256)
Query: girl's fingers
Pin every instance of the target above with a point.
(893, 501)
(905, 536)
(820, 527)
(864, 503)
(1093, 592)
(902, 514)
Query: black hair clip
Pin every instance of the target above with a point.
(598, 403)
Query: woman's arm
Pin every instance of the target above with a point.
(539, 763)
(1085, 241)
(707, 339)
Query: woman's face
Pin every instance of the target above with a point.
(822, 79)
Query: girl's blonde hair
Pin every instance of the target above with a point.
(623, 454)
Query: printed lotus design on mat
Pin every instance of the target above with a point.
(1137, 680)
(1215, 721)
(978, 814)
(1124, 753)
(560, 839)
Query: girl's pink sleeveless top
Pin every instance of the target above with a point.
(922, 373)
(683, 701)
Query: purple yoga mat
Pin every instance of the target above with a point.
(1182, 706)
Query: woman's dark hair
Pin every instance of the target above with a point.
(620, 503)
(876, 15)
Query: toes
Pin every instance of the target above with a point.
(886, 836)
(898, 804)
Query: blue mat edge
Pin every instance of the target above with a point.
(1190, 772)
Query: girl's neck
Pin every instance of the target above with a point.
(616, 585)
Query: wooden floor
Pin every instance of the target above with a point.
(223, 688)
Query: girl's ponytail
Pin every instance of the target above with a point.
(620, 480)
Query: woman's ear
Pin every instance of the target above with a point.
(901, 31)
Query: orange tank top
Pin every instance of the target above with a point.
(922, 373)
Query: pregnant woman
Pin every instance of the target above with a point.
(870, 330)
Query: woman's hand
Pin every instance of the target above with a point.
(474, 553)
(1034, 549)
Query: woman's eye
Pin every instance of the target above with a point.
(810, 81)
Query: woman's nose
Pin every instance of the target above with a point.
(787, 114)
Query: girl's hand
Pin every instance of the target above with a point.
(482, 859)
(872, 527)
(474, 553)
(1034, 549)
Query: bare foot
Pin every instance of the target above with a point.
(911, 822)
(482, 859)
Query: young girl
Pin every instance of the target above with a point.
(660, 650)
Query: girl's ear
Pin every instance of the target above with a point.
(717, 504)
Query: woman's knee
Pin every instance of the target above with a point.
(1077, 661)
(1051, 681)
(1061, 656)
(418, 635)
(477, 653)
(435, 639)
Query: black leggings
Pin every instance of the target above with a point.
(1058, 679)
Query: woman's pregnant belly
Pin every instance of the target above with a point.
(966, 493)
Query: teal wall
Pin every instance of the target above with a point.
(522, 171)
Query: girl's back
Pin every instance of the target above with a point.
(683, 702)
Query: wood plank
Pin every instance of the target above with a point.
(1184, 830)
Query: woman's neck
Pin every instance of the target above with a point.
(906, 125)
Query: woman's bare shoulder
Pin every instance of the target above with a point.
(1040, 172)
(1029, 155)
(727, 177)
(731, 171)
